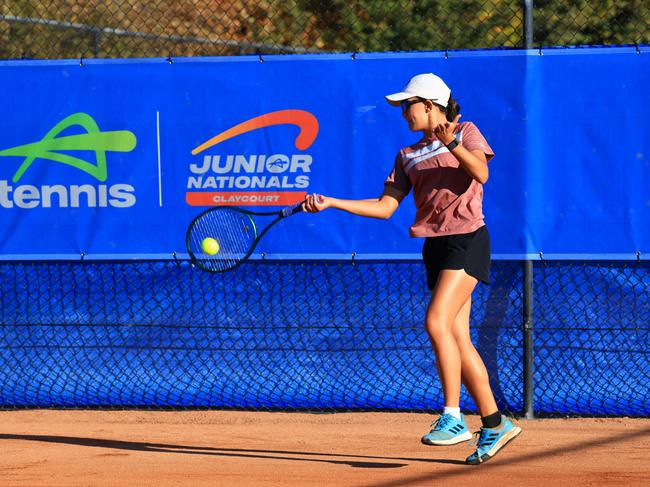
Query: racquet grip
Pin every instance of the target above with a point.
(292, 210)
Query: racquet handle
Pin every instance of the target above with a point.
(292, 210)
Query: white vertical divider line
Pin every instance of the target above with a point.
(159, 169)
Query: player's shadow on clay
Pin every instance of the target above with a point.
(362, 462)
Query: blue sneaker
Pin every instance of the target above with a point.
(447, 430)
(491, 440)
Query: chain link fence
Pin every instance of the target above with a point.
(314, 335)
(60, 29)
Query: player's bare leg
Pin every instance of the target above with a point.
(473, 372)
(453, 289)
(475, 377)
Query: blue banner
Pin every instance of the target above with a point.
(112, 159)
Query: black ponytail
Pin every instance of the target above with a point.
(452, 110)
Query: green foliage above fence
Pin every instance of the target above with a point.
(57, 29)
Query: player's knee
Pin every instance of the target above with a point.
(438, 328)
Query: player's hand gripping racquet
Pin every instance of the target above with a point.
(222, 238)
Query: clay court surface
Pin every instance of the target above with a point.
(229, 448)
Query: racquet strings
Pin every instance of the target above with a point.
(235, 233)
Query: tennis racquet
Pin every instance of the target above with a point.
(222, 238)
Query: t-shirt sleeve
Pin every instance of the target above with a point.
(397, 178)
(473, 140)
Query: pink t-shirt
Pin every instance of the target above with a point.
(448, 200)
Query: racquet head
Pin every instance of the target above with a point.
(234, 232)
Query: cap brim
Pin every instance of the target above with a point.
(397, 98)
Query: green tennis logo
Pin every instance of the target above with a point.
(93, 140)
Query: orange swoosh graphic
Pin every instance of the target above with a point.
(307, 123)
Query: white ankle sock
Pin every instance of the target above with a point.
(455, 412)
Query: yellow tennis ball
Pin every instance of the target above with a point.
(210, 246)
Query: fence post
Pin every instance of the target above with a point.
(528, 24)
(528, 340)
(528, 266)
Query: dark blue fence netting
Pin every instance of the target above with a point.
(319, 336)
(592, 324)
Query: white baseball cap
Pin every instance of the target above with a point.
(427, 86)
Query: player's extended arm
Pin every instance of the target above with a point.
(382, 207)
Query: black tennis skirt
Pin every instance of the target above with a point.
(468, 251)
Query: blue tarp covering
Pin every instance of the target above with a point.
(115, 157)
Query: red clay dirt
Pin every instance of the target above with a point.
(231, 448)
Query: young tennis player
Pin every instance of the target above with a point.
(446, 170)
